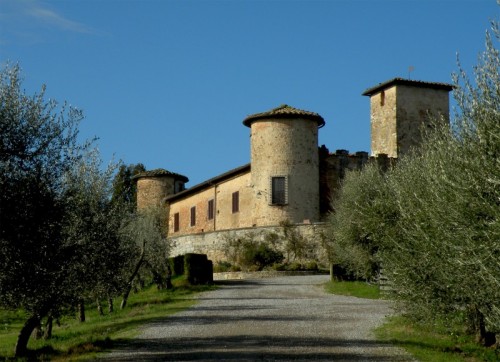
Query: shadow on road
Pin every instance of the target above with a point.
(247, 348)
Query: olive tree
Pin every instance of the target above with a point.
(446, 259)
(38, 146)
(145, 231)
(363, 215)
(92, 225)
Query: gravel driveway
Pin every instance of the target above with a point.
(284, 318)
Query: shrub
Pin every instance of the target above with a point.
(198, 269)
(222, 266)
(177, 265)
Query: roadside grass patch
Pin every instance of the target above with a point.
(354, 289)
(74, 340)
(434, 343)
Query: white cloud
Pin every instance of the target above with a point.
(54, 19)
(19, 18)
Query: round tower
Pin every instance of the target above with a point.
(155, 185)
(285, 165)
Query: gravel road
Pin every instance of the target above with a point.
(276, 319)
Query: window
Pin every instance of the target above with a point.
(210, 211)
(236, 202)
(176, 222)
(279, 190)
(193, 216)
(178, 186)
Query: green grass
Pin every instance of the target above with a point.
(355, 289)
(427, 343)
(434, 343)
(73, 340)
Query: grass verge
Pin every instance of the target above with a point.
(354, 289)
(427, 343)
(73, 340)
(434, 343)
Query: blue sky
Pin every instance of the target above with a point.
(168, 83)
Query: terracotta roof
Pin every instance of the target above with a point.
(209, 183)
(402, 81)
(285, 111)
(159, 172)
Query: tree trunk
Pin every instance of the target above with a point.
(158, 280)
(81, 311)
(48, 327)
(37, 331)
(168, 279)
(24, 335)
(99, 307)
(131, 279)
(110, 305)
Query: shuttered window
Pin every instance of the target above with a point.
(279, 190)
(210, 211)
(193, 216)
(176, 222)
(236, 202)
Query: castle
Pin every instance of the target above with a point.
(289, 178)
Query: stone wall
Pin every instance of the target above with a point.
(213, 243)
(383, 123)
(415, 108)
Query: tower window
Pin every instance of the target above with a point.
(176, 222)
(382, 98)
(178, 186)
(236, 202)
(193, 216)
(210, 211)
(279, 190)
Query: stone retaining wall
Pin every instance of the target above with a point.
(213, 243)
(261, 274)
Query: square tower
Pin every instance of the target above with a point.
(400, 108)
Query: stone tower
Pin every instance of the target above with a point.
(155, 185)
(399, 110)
(284, 165)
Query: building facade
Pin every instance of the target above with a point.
(289, 178)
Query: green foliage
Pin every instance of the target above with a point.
(270, 249)
(296, 246)
(61, 237)
(41, 264)
(363, 217)
(145, 233)
(92, 224)
(252, 254)
(124, 186)
(448, 198)
(260, 254)
(222, 266)
(37, 147)
(434, 220)
(198, 269)
(177, 265)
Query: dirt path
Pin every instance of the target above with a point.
(286, 318)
